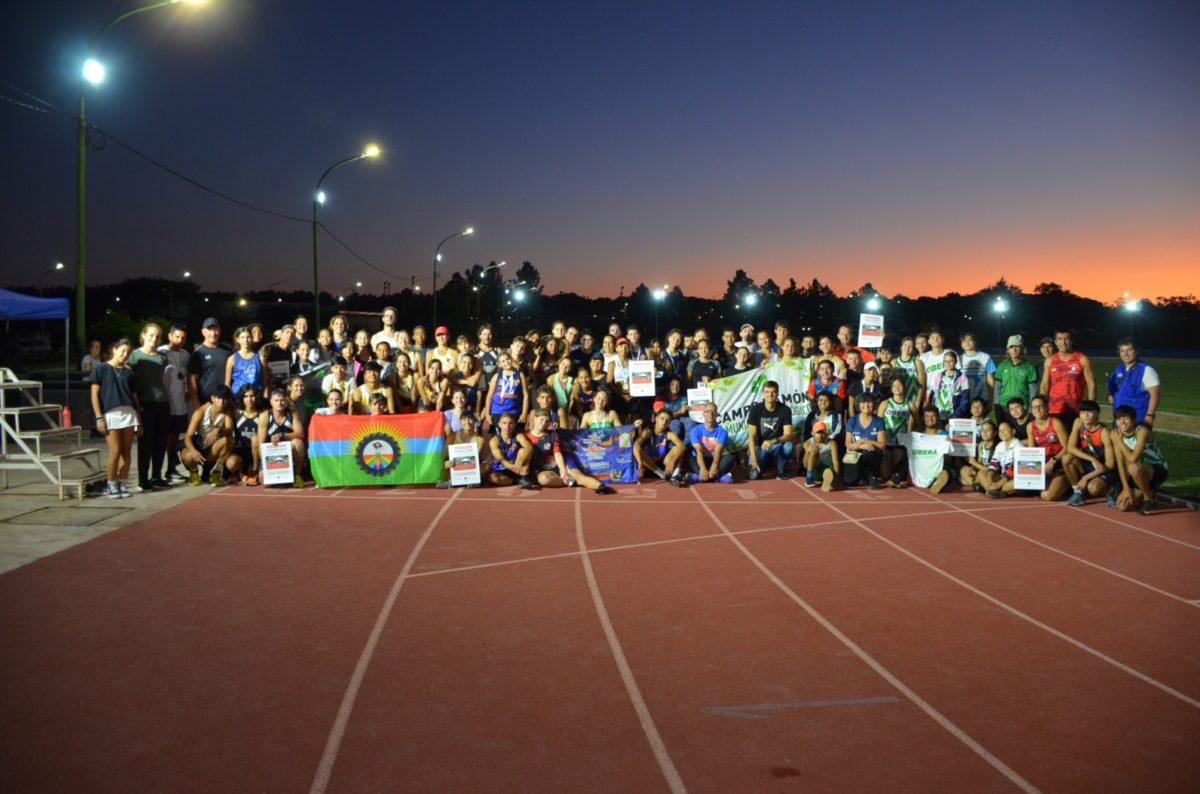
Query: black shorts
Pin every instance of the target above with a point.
(1109, 477)
(1159, 477)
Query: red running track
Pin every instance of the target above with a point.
(720, 638)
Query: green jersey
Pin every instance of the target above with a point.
(895, 421)
(907, 370)
(1016, 380)
(1151, 454)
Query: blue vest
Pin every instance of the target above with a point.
(1125, 385)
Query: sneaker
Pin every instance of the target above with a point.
(873, 484)
(725, 479)
(810, 481)
(693, 478)
(897, 482)
(124, 489)
(783, 474)
(215, 479)
(1076, 499)
(298, 481)
(997, 493)
(755, 474)
(160, 484)
(193, 478)
(442, 485)
(1110, 498)
(175, 478)
(251, 479)
(112, 491)
(604, 490)
(1147, 507)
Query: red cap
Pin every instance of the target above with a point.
(441, 329)
(659, 405)
(621, 341)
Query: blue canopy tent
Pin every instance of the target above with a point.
(15, 306)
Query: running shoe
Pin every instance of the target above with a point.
(899, 483)
(442, 485)
(693, 478)
(604, 490)
(755, 474)
(810, 481)
(160, 484)
(1110, 498)
(873, 484)
(298, 481)
(1076, 499)
(214, 479)
(783, 474)
(124, 489)
(725, 479)
(1147, 507)
(175, 478)
(112, 491)
(193, 478)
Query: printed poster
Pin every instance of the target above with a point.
(277, 463)
(641, 378)
(1029, 473)
(464, 464)
(870, 330)
(962, 437)
(697, 399)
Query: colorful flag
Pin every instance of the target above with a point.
(394, 449)
(605, 453)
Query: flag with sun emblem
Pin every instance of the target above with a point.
(396, 449)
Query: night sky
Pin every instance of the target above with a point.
(925, 147)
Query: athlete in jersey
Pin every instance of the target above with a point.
(1089, 461)
(245, 435)
(660, 451)
(897, 414)
(511, 454)
(1047, 432)
(909, 366)
(1067, 379)
(1140, 462)
(507, 393)
(552, 469)
(981, 472)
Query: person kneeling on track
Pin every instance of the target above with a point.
(660, 450)
(822, 459)
(511, 454)
(1140, 462)
(548, 461)
(208, 443)
(282, 423)
(711, 461)
(1089, 463)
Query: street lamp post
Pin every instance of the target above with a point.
(58, 266)
(437, 257)
(318, 199)
(94, 73)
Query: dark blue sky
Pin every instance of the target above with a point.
(924, 147)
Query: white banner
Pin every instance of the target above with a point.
(641, 378)
(1029, 474)
(735, 395)
(277, 463)
(464, 464)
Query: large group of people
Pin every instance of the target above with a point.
(871, 417)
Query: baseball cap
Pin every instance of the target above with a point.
(659, 405)
(1046, 340)
(211, 322)
(745, 326)
(870, 365)
(441, 329)
(820, 427)
(1015, 340)
(621, 341)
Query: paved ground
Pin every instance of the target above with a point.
(35, 524)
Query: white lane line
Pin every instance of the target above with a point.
(635, 695)
(1029, 618)
(1135, 528)
(338, 731)
(1066, 554)
(870, 661)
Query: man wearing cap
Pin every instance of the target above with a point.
(1016, 377)
(206, 367)
(442, 350)
(822, 459)
(746, 335)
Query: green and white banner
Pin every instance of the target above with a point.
(735, 395)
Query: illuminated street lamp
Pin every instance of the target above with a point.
(437, 257)
(873, 303)
(660, 295)
(371, 150)
(475, 287)
(93, 73)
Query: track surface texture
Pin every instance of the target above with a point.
(748, 637)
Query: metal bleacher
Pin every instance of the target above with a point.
(32, 437)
